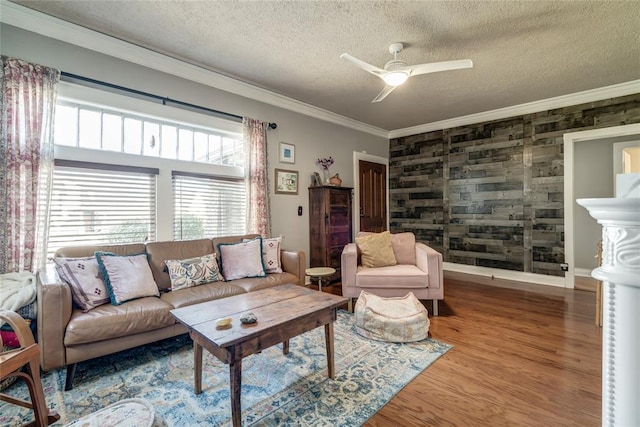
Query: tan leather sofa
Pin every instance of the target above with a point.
(67, 335)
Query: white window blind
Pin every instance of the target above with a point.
(95, 204)
(207, 206)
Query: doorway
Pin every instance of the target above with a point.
(626, 159)
(570, 205)
(370, 201)
(373, 196)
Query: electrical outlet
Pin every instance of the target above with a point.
(564, 266)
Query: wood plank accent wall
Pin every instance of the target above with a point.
(492, 194)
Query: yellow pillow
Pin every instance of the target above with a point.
(376, 250)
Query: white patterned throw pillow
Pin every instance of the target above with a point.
(83, 277)
(195, 271)
(271, 254)
(127, 277)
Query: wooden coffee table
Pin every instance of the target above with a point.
(283, 312)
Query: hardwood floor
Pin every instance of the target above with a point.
(524, 355)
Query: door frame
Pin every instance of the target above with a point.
(357, 156)
(570, 139)
(618, 147)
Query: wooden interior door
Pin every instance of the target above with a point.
(373, 196)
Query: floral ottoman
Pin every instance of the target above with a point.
(401, 319)
(125, 413)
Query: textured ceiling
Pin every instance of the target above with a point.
(522, 51)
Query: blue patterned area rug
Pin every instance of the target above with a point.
(277, 389)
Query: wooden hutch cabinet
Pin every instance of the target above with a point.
(330, 225)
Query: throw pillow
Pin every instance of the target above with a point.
(127, 277)
(8, 339)
(83, 277)
(404, 248)
(239, 260)
(190, 272)
(271, 254)
(376, 250)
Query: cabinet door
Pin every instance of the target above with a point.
(318, 221)
(339, 227)
(330, 225)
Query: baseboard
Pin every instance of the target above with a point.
(582, 272)
(586, 284)
(584, 281)
(497, 273)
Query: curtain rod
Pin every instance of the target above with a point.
(86, 81)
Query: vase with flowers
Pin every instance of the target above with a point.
(325, 164)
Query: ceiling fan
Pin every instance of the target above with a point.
(396, 71)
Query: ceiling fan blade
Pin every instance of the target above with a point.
(367, 67)
(435, 67)
(383, 94)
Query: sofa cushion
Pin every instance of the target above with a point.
(397, 276)
(126, 277)
(202, 293)
(273, 279)
(160, 251)
(404, 248)
(403, 244)
(376, 250)
(114, 321)
(83, 277)
(89, 251)
(190, 272)
(240, 260)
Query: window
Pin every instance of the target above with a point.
(207, 206)
(162, 174)
(88, 126)
(94, 204)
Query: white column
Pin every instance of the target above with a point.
(620, 274)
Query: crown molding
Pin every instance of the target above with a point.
(577, 98)
(49, 26)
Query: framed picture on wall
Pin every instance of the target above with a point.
(286, 181)
(287, 153)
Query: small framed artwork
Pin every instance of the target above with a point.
(287, 153)
(286, 181)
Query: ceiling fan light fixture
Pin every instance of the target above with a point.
(396, 71)
(395, 78)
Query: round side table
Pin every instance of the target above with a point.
(320, 273)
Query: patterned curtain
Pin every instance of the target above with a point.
(27, 100)
(258, 213)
